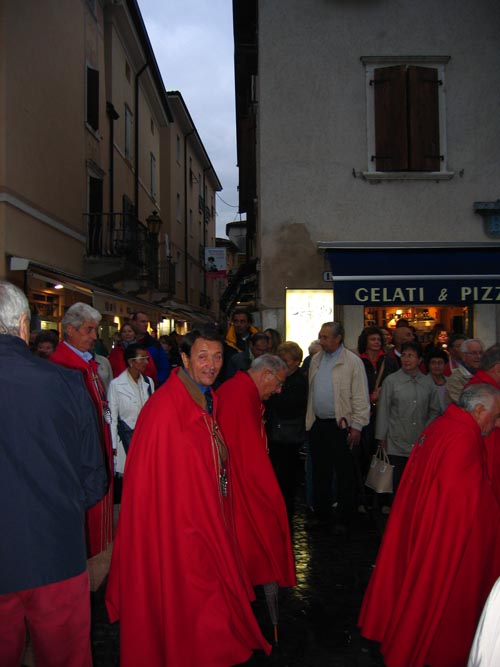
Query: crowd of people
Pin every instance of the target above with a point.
(207, 432)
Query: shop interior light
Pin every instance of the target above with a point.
(59, 286)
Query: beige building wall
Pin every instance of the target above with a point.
(188, 193)
(122, 67)
(313, 133)
(44, 140)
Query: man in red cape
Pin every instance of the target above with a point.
(259, 509)
(80, 324)
(176, 581)
(489, 372)
(441, 550)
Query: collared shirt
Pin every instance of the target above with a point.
(323, 395)
(86, 356)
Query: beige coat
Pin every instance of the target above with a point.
(350, 389)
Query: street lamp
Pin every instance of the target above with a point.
(154, 223)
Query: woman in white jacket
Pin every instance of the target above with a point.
(126, 396)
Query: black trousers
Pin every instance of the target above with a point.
(330, 451)
(285, 459)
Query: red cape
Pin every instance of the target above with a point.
(259, 509)
(99, 519)
(440, 554)
(492, 441)
(176, 581)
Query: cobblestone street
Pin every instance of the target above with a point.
(317, 619)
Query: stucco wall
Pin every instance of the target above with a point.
(312, 129)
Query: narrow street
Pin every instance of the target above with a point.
(317, 618)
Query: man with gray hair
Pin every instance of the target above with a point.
(80, 327)
(338, 408)
(440, 554)
(471, 351)
(51, 471)
(489, 372)
(259, 509)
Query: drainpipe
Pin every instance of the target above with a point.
(136, 133)
(186, 221)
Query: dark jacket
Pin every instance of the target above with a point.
(51, 469)
(288, 407)
(158, 355)
(390, 366)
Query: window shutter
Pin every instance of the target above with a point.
(391, 137)
(423, 118)
(93, 98)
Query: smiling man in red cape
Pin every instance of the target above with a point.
(260, 513)
(441, 550)
(176, 581)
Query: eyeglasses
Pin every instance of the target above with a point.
(280, 383)
(140, 358)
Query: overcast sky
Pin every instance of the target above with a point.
(193, 45)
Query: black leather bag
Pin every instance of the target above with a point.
(288, 431)
(125, 433)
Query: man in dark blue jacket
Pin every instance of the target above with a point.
(139, 322)
(51, 471)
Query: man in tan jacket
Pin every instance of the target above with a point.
(338, 408)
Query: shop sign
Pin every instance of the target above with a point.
(439, 292)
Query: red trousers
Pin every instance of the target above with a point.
(58, 619)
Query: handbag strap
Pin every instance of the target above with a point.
(382, 455)
(379, 376)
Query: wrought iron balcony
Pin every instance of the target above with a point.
(166, 277)
(120, 247)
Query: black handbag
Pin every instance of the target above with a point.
(125, 433)
(288, 431)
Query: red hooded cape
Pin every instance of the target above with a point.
(440, 554)
(176, 581)
(492, 441)
(99, 519)
(259, 509)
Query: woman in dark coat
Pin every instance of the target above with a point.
(285, 423)
(378, 365)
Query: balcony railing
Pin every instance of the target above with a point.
(121, 236)
(166, 276)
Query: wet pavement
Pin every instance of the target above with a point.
(318, 618)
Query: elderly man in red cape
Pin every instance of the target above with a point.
(177, 583)
(80, 324)
(489, 372)
(259, 509)
(441, 550)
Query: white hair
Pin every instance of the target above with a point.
(478, 394)
(13, 305)
(79, 313)
(464, 347)
(270, 361)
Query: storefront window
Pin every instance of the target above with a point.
(456, 319)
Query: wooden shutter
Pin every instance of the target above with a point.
(423, 119)
(93, 98)
(391, 136)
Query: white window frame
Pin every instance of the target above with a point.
(129, 122)
(372, 63)
(178, 207)
(152, 173)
